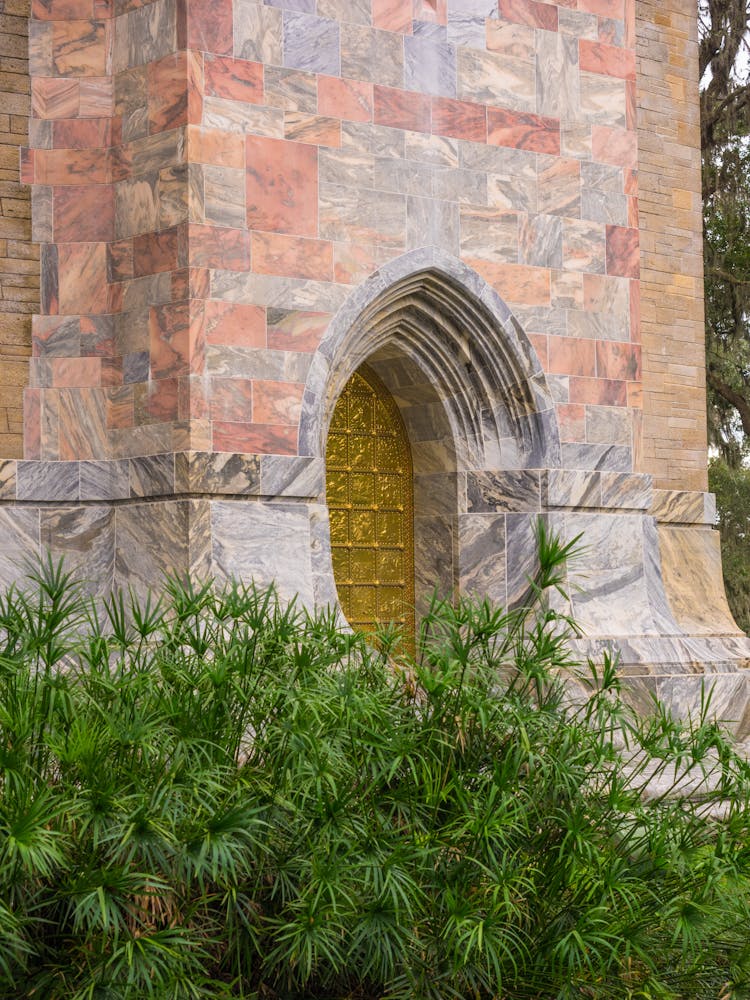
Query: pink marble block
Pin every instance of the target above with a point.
(282, 186)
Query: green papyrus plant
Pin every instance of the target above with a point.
(215, 795)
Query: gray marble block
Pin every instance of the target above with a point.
(311, 43)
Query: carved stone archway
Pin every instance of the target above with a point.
(447, 324)
(473, 398)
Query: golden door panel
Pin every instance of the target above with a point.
(371, 504)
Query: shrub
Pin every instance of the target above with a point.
(732, 488)
(219, 796)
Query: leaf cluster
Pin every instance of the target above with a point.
(725, 131)
(732, 488)
(726, 243)
(216, 795)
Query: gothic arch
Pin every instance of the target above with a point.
(459, 341)
(472, 395)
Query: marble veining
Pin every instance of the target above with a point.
(7, 479)
(85, 538)
(19, 543)
(151, 542)
(625, 490)
(480, 572)
(152, 475)
(503, 491)
(323, 583)
(199, 550)
(691, 568)
(466, 21)
(607, 581)
(679, 507)
(311, 43)
(429, 65)
(283, 475)
(241, 534)
(217, 472)
(105, 480)
(47, 480)
(616, 458)
(435, 565)
(564, 488)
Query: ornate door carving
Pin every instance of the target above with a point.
(370, 498)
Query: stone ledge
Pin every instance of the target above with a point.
(169, 474)
(238, 474)
(683, 507)
(493, 491)
(579, 490)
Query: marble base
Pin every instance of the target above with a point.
(644, 583)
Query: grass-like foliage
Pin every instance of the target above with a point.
(219, 796)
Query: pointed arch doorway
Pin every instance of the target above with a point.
(478, 412)
(370, 497)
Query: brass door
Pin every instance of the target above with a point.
(370, 498)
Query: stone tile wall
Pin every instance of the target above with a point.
(210, 188)
(19, 258)
(674, 402)
(501, 132)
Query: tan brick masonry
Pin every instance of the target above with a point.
(674, 398)
(19, 258)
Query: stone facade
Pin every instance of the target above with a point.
(238, 203)
(19, 258)
(207, 187)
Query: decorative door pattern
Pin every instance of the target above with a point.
(371, 506)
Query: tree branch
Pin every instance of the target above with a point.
(727, 276)
(736, 399)
(717, 110)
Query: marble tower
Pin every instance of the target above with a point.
(494, 204)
